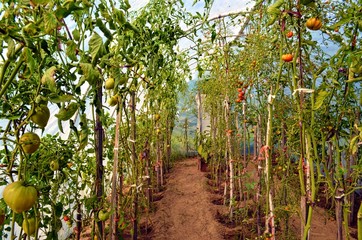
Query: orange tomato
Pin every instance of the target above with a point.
(289, 34)
(287, 57)
(314, 23)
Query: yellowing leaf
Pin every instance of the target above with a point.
(68, 112)
(96, 47)
(320, 98)
(48, 78)
(353, 147)
(50, 22)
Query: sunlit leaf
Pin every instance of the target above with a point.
(353, 147)
(55, 98)
(48, 78)
(320, 99)
(66, 113)
(29, 60)
(50, 22)
(90, 74)
(96, 47)
(11, 48)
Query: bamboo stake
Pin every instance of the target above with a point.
(339, 212)
(134, 162)
(244, 135)
(269, 219)
(99, 134)
(359, 221)
(114, 195)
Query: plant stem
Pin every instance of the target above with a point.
(7, 62)
(11, 78)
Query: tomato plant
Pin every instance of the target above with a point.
(66, 63)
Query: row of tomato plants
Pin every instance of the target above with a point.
(301, 98)
(87, 73)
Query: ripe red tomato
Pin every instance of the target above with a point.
(287, 57)
(66, 218)
(289, 34)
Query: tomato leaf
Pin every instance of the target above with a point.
(320, 98)
(28, 57)
(58, 209)
(11, 48)
(50, 22)
(213, 35)
(353, 147)
(96, 47)
(90, 74)
(71, 50)
(60, 126)
(67, 8)
(40, 2)
(340, 23)
(67, 112)
(60, 98)
(48, 78)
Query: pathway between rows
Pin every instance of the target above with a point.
(185, 211)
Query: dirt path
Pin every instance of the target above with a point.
(185, 211)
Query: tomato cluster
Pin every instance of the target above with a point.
(241, 95)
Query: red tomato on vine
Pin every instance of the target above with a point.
(287, 57)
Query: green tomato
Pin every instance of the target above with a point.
(103, 215)
(109, 83)
(41, 116)
(54, 165)
(30, 142)
(113, 101)
(19, 197)
(31, 227)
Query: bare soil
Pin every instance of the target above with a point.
(190, 209)
(186, 210)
